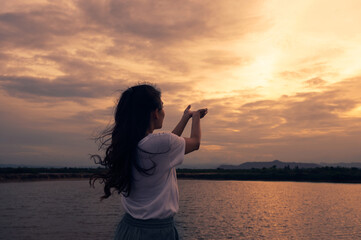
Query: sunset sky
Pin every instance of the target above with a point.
(281, 79)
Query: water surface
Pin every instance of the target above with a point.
(208, 210)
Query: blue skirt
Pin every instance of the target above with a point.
(130, 228)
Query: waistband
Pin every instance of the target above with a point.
(148, 223)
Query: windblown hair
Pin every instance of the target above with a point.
(120, 141)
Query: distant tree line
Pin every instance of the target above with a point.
(48, 170)
(32, 174)
(322, 174)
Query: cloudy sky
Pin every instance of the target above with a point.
(281, 79)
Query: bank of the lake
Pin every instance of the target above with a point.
(323, 174)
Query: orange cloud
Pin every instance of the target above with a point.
(276, 86)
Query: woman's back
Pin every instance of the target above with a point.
(155, 195)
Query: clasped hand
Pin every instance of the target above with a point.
(188, 113)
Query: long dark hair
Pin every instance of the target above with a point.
(120, 141)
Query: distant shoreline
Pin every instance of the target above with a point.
(179, 178)
(227, 178)
(324, 174)
(41, 177)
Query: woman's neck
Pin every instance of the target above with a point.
(149, 131)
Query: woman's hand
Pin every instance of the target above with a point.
(187, 112)
(194, 141)
(202, 112)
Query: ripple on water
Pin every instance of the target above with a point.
(208, 210)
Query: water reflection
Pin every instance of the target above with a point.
(269, 210)
(208, 210)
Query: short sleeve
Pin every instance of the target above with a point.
(177, 150)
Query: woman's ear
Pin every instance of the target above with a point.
(155, 114)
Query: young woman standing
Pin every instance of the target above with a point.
(141, 164)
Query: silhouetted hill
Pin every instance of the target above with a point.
(276, 163)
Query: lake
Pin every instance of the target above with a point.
(208, 210)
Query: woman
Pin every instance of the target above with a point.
(141, 165)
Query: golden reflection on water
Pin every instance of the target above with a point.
(269, 210)
(208, 210)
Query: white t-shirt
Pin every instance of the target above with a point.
(156, 195)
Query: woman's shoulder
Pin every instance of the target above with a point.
(159, 138)
(156, 142)
(165, 138)
(160, 135)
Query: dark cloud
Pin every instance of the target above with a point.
(167, 20)
(312, 111)
(19, 145)
(163, 32)
(314, 67)
(67, 88)
(128, 22)
(350, 88)
(175, 93)
(315, 82)
(139, 31)
(92, 120)
(221, 59)
(3, 56)
(37, 29)
(84, 69)
(3, 61)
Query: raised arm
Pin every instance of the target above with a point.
(178, 130)
(194, 141)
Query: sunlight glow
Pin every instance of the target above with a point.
(261, 70)
(354, 113)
